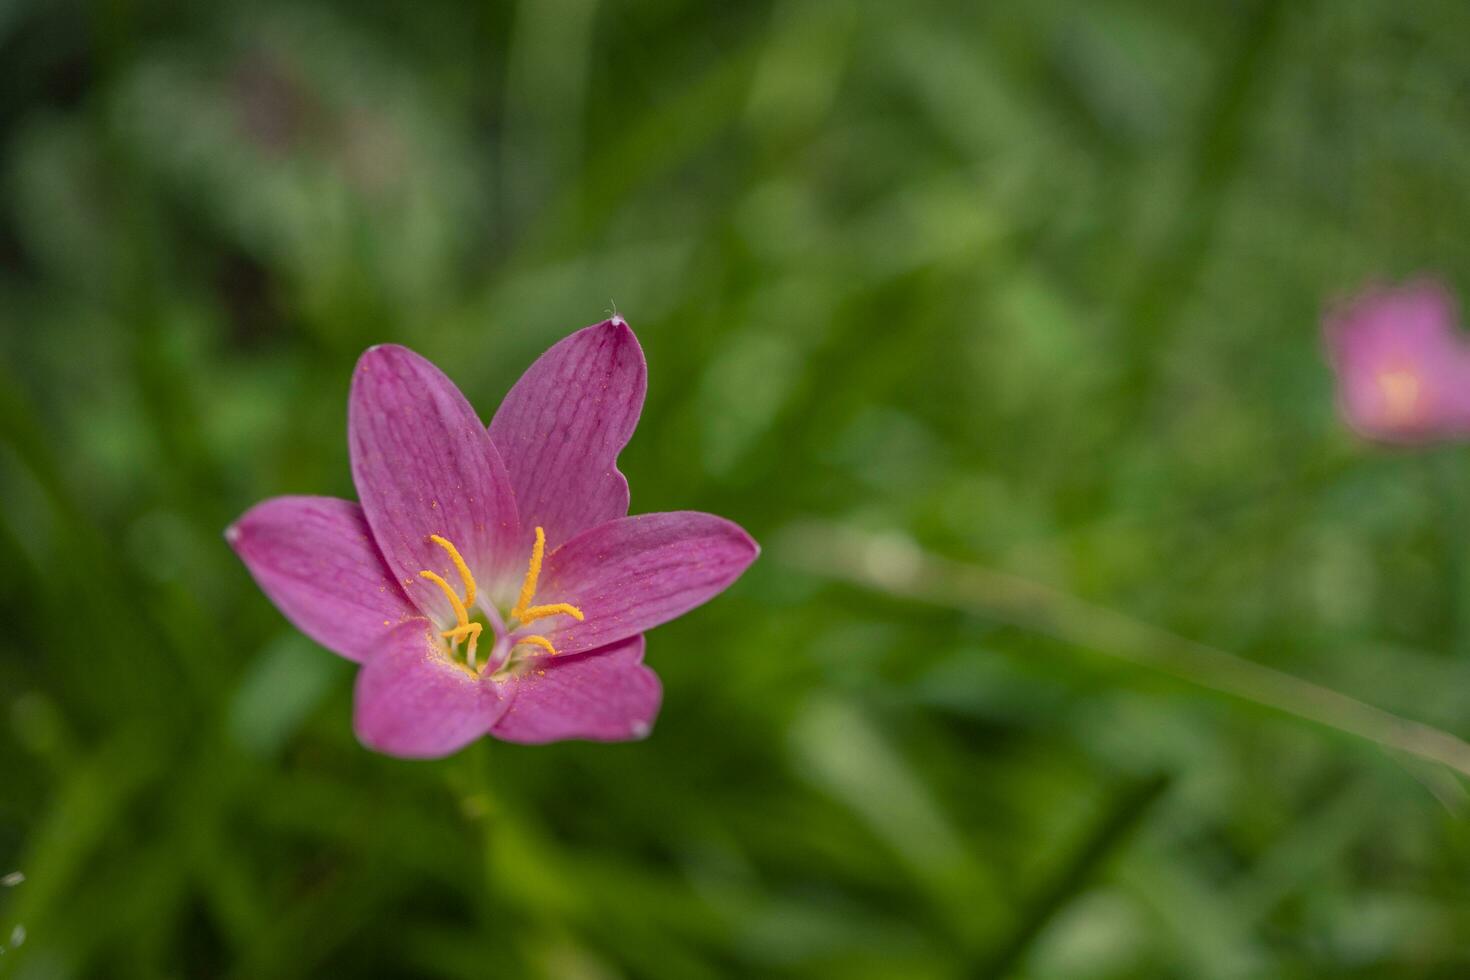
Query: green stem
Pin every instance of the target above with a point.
(896, 566)
(471, 786)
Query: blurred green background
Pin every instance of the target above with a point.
(1031, 286)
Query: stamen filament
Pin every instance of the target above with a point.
(472, 630)
(460, 566)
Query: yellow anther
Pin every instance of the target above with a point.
(539, 641)
(460, 566)
(459, 611)
(524, 612)
(464, 628)
(541, 612)
(533, 573)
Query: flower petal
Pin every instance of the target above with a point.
(316, 560)
(605, 695)
(561, 427)
(424, 465)
(631, 574)
(412, 701)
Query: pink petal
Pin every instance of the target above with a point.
(412, 701)
(316, 560)
(1419, 316)
(634, 573)
(605, 695)
(424, 465)
(561, 427)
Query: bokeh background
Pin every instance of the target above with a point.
(1026, 287)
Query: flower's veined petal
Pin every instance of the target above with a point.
(562, 425)
(604, 695)
(316, 559)
(414, 702)
(631, 574)
(424, 465)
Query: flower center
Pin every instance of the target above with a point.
(468, 631)
(1400, 390)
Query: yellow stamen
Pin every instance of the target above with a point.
(460, 566)
(528, 588)
(472, 630)
(459, 611)
(539, 641)
(460, 632)
(541, 612)
(524, 612)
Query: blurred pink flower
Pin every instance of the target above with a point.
(1402, 363)
(440, 583)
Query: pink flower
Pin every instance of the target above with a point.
(490, 581)
(1403, 366)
